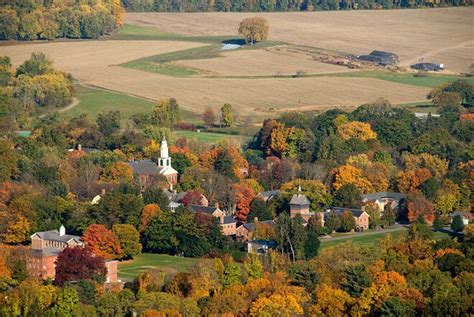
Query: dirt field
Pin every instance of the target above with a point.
(269, 62)
(93, 63)
(437, 35)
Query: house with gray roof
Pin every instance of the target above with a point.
(382, 199)
(299, 204)
(245, 231)
(360, 216)
(268, 195)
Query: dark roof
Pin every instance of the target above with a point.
(266, 195)
(463, 214)
(384, 54)
(299, 199)
(145, 167)
(250, 226)
(339, 210)
(44, 252)
(229, 220)
(203, 209)
(381, 195)
(53, 235)
(262, 243)
(180, 196)
(382, 60)
(427, 66)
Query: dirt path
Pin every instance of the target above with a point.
(73, 103)
(423, 57)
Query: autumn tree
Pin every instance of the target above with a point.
(149, 212)
(209, 116)
(417, 206)
(315, 190)
(347, 221)
(129, 239)
(75, 264)
(348, 174)
(166, 113)
(331, 301)
(193, 197)
(117, 172)
(254, 29)
(410, 181)
(243, 195)
(8, 161)
(102, 241)
(357, 130)
(227, 115)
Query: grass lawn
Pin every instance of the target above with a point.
(208, 137)
(145, 261)
(92, 101)
(372, 239)
(432, 80)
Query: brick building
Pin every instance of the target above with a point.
(227, 224)
(45, 248)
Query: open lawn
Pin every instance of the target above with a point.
(369, 240)
(145, 261)
(209, 137)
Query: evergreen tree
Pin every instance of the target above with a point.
(457, 224)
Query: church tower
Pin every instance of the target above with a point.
(165, 159)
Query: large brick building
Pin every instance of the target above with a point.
(45, 248)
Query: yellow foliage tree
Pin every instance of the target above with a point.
(348, 174)
(356, 129)
(331, 302)
(117, 172)
(437, 166)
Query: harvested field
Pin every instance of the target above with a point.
(279, 60)
(439, 35)
(93, 63)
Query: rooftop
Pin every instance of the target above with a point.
(383, 195)
(250, 226)
(299, 199)
(203, 209)
(53, 235)
(339, 210)
(145, 167)
(229, 220)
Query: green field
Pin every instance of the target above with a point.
(145, 261)
(209, 137)
(370, 240)
(92, 101)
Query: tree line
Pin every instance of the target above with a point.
(279, 5)
(46, 20)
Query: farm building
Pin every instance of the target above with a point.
(380, 57)
(428, 67)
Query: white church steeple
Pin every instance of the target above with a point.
(164, 160)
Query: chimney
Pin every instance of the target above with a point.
(255, 219)
(102, 192)
(216, 205)
(79, 147)
(62, 231)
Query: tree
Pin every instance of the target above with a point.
(331, 301)
(193, 197)
(419, 206)
(347, 222)
(396, 306)
(348, 174)
(9, 22)
(116, 173)
(75, 264)
(356, 129)
(155, 195)
(389, 216)
(304, 275)
(254, 29)
(312, 243)
(333, 222)
(356, 279)
(166, 113)
(315, 190)
(209, 116)
(109, 122)
(348, 196)
(149, 212)
(243, 197)
(8, 161)
(457, 224)
(227, 115)
(129, 239)
(260, 210)
(102, 242)
(253, 267)
(232, 274)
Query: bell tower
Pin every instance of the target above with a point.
(165, 159)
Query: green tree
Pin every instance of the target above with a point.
(156, 195)
(8, 161)
(232, 274)
(227, 115)
(253, 267)
(347, 222)
(348, 196)
(129, 239)
(109, 122)
(259, 209)
(356, 279)
(396, 306)
(333, 222)
(457, 224)
(166, 113)
(37, 65)
(389, 216)
(312, 243)
(304, 275)
(438, 223)
(66, 303)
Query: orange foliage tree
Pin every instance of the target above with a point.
(243, 196)
(438, 167)
(418, 206)
(348, 174)
(102, 241)
(331, 301)
(409, 181)
(149, 212)
(116, 173)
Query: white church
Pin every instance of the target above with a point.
(147, 168)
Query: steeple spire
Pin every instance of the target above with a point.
(165, 159)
